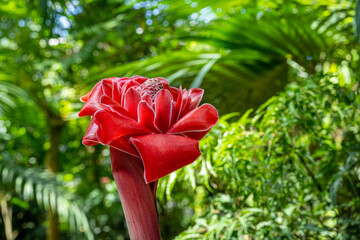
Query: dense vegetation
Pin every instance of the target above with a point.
(291, 171)
(283, 162)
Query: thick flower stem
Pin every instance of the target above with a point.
(137, 197)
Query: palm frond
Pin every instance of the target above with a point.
(9, 93)
(251, 54)
(35, 184)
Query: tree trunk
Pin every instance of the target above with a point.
(6, 212)
(52, 230)
(52, 164)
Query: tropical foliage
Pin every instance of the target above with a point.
(291, 171)
(289, 168)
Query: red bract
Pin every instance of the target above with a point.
(150, 120)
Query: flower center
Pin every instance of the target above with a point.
(150, 87)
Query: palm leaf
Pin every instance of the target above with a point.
(9, 93)
(38, 185)
(251, 56)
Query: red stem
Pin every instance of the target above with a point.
(137, 197)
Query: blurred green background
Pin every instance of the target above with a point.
(283, 162)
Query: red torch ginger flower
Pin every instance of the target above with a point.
(150, 120)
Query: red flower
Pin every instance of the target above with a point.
(148, 119)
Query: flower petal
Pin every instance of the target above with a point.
(163, 110)
(178, 103)
(85, 97)
(139, 79)
(131, 102)
(122, 145)
(146, 116)
(118, 79)
(198, 120)
(113, 125)
(163, 154)
(107, 86)
(146, 97)
(129, 84)
(114, 106)
(93, 102)
(194, 97)
(117, 92)
(91, 138)
(184, 99)
(175, 92)
(173, 113)
(197, 135)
